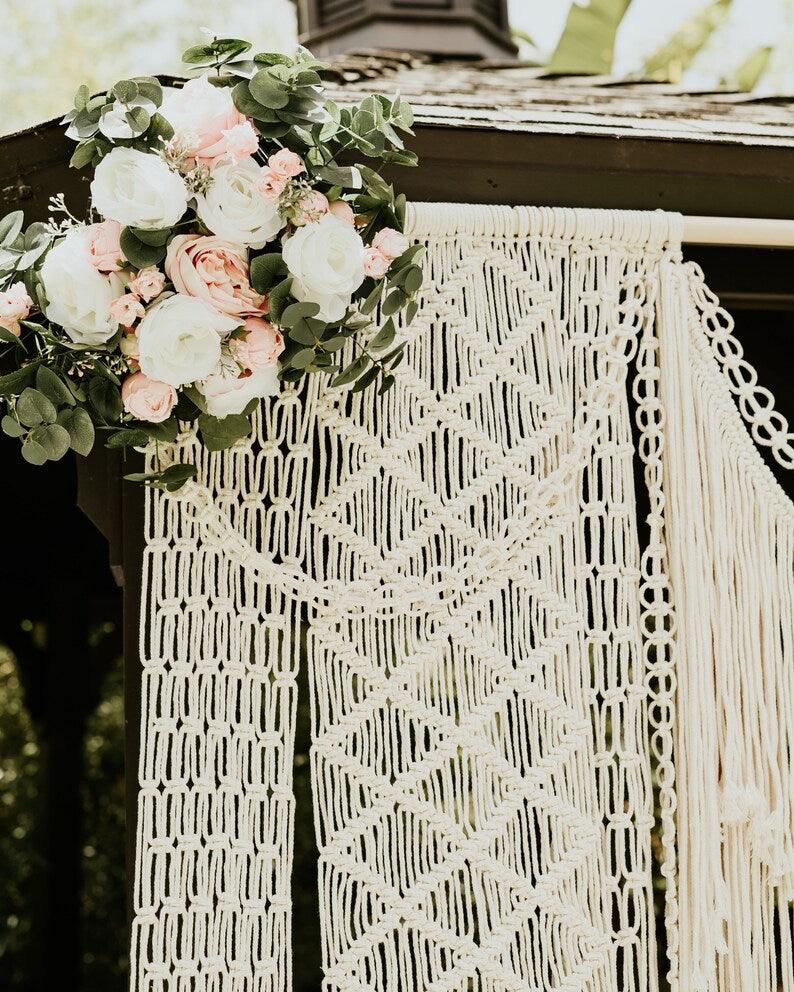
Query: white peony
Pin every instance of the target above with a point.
(179, 339)
(138, 190)
(234, 208)
(225, 393)
(326, 259)
(78, 295)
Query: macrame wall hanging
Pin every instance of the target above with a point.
(492, 659)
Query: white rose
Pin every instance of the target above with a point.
(234, 208)
(179, 339)
(78, 295)
(326, 259)
(225, 393)
(138, 190)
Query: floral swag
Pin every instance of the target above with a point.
(232, 243)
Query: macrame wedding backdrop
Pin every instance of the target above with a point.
(512, 667)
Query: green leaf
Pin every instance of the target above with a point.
(373, 298)
(150, 89)
(170, 479)
(105, 399)
(266, 271)
(277, 300)
(159, 128)
(127, 438)
(386, 384)
(297, 311)
(154, 239)
(33, 452)
(384, 337)
(10, 226)
(81, 97)
(33, 408)
(14, 382)
(268, 90)
(83, 154)
(587, 43)
(302, 358)
(366, 379)
(689, 38)
(53, 387)
(10, 338)
(413, 280)
(334, 343)
(353, 371)
(12, 427)
(125, 91)
(394, 302)
(347, 176)
(80, 428)
(411, 311)
(395, 356)
(53, 439)
(221, 433)
(139, 254)
(165, 431)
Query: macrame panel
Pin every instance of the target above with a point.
(481, 758)
(220, 650)
(731, 553)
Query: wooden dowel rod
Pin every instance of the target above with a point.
(759, 232)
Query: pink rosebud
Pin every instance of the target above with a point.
(271, 184)
(149, 282)
(376, 265)
(147, 399)
(286, 163)
(15, 305)
(259, 347)
(129, 347)
(127, 309)
(343, 210)
(390, 242)
(241, 141)
(310, 208)
(215, 271)
(104, 250)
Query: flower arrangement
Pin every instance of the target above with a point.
(230, 246)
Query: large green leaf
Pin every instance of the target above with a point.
(669, 61)
(587, 44)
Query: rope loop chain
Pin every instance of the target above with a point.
(508, 691)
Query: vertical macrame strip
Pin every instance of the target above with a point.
(481, 761)
(731, 550)
(220, 650)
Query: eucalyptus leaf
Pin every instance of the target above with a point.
(33, 452)
(297, 311)
(266, 271)
(221, 433)
(277, 301)
(127, 438)
(33, 408)
(14, 382)
(366, 379)
(53, 387)
(10, 226)
(53, 439)
(12, 427)
(80, 428)
(384, 337)
(105, 399)
(353, 371)
(139, 254)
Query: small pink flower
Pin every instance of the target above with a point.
(147, 399)
(343, 210)
(390, 242)
(149, 282)
(104, 250)
(129, 347)
(310, 208)
(127, 309)
(376, 265)
(261, 345)
(15, 305)
(271, 184)
(241, 141)
(286, 163)
(215, 271)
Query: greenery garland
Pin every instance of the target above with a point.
(233, 242)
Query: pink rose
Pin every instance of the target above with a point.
(215, 271)
(310, 207)
(147, 399)
(149, 282)
(376, 265)
(241, 141)
(271, 184)
(15, 305)
(201, 115)
(260, 346)
(104, 250)
(343, 210)
(127, 309)
(391, 243)
(286, 163)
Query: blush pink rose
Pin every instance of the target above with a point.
(376, 265)
(104, 250)
(15, 305)
(310, 208)
(390, 243)
(147, 399)
(149, 282)
(202, 115)
(286, 163)
(215, 271)
(271, 184)
(259, 346)
(241, 141)
(127, 309)
(343, 210)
